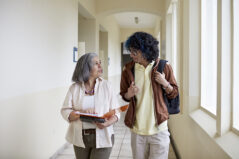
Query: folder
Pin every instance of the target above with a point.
(86, 117)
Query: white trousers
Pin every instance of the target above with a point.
(150, 146)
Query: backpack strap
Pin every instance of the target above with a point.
(161, 65)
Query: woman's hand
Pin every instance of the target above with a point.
(107, 122)
(73, 116)
(102, 125)
(160, 79)
(132, 91)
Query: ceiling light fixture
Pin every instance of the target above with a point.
(136, 20)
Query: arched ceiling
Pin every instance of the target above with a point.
(124, 11)
(107, 7)
(136, 20)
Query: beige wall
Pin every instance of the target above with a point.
(89, 6)
(126, 32)
(112, 28)
(36, 65)
(114, 69)
(31, 125)
(103, 53)
(157, 27)
(88, 32)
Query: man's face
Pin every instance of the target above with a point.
(137, 56)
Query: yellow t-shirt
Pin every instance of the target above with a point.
(145, 115)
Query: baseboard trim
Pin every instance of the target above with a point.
(59, 151)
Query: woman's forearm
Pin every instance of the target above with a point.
(108, 122)
(112, 120)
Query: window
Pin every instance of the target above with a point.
(171, 35)
(158, 38)
(209, 55)
(174, 37)
(235, 64)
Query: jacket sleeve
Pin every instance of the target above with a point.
(171, 79)
(67, 106)
(124, 85)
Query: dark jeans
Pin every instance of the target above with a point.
(90, 151)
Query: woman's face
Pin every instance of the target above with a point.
(96, 70)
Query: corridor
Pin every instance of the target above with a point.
(41, 41)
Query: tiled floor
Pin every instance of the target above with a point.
(121, 149)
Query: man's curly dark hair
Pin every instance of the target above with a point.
(144, 42)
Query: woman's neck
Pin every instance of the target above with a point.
(90, 84)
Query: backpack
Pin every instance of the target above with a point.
(172, 104)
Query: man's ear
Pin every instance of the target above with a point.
(124, 68)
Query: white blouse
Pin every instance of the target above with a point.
(88, 102)
(104, 99)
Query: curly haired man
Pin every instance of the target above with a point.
(141, 85)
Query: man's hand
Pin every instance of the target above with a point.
(132, 91)
(160, 79)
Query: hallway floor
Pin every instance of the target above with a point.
(121, 148)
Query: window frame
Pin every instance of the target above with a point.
(202, 106)
(235, 48)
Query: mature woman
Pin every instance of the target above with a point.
(90, 94)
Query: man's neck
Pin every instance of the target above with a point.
(144, 63)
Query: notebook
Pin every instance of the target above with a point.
(101, 119)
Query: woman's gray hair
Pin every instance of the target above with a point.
(83, 68)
